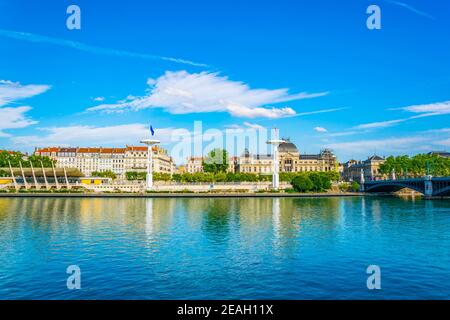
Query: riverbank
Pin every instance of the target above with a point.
(179, 195)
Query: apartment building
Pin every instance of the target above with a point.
(117, 160)
(370, 168)
(136, 159)
(194, 165)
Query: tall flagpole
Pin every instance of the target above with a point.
(150, 143)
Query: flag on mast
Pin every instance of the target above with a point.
(152, 131)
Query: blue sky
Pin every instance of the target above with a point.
(311, 68)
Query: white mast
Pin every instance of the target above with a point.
(275, 142)
(150, 143)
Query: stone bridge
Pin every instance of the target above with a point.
(429, 186)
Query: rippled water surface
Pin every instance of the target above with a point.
(251, 248)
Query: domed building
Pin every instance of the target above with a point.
(287, 147)
(291, 160)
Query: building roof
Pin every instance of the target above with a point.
(88, 150)
(309, 156)
(112, 150)
(375, 158)
(443, 154)
(136, 148)
(288, 147)
(10, 152)
(48, 150)
(195, 158)
(263, 157)
(67, 150)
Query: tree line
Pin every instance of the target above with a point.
(17, 158)
(416, 166)
(301, 181)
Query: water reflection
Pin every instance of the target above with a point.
(276, 218)
(149, 216)
(223, 248)
(216, 219)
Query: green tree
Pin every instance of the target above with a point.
(220, 177)
(104, 174)
(302, 183)
(161, 176)
(17, 158)
(216, 161)
(333, 175)
(321, 181)
(416, 166)
(355, 186)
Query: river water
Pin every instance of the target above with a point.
(233, 248)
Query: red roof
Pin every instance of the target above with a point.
(10, 152)
(138, 148)
(53, 149)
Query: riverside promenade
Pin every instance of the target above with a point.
(179, 195)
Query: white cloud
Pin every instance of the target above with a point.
(445, 142)
(182, 92)
(381, 124)
(253, 125)
(91, 136)
(430, 109)
(246, 112)
(13, 91)
(99, 99)
(245, 125)
(389, 145)
(343, 133)
(92, 49)
(421, 111)
(15, 117)
(320, 129)
(410, 8)
(443, 130)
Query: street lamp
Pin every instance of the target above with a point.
(149, 143)
(275, 167)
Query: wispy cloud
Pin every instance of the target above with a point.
(430, 109)
(380, 124)
(320, 129)
(343, 133)
(421, 111)
(14, 91)
(80, 135)
(16, 117)
(30, 37)
(182, 92)
(410, 8)
(245, 125)
(388, 145)
(424, 141)
(301, 114)
(253, 125)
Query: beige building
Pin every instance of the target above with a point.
(289, 157)
(290, 160)
(117, 160)
(136, 159)
(194, 165)
(370, 168)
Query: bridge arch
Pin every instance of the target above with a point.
(394, 187)
(443, 192)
